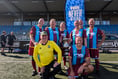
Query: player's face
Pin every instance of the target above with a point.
(53, 23)
(44, 37)
(12, 33)
(80, 22)
(76, 23)
(41, 22)
(4, 33)
(79, 41)
(91, 22)
(62, 26)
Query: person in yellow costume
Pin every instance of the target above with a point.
(44, 57)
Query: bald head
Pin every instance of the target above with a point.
(62, 26)
(91, 22)
(12, 33)
(79, 41)
(41, 22)
(76, 23)
(80, 23)
(53, 23)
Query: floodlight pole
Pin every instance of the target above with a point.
(100, 17)
(48, 19)
(22, 18)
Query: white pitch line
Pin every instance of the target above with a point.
(107, 62)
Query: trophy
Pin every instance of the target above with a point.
(65, 46)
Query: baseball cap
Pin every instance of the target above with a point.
(44, 33)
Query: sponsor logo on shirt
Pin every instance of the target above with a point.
(92, 33)
(62, 34)
(78, 34)
(55, 31)
(79, 55)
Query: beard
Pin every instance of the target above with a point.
(79, 45)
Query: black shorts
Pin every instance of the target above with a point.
(10, 43)
(2, 45)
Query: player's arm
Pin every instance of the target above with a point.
(32, 36)
(103, 38)
(87, 58)
(35, 56)
(85, 37)
(14, 37)
(58, 50)
(71, 69)
(86, 63)
(70, 63)
(70, 38)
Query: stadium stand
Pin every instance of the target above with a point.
(22, 32)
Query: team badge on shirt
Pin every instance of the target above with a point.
(48, 46)
(79, 55)
(63, 34)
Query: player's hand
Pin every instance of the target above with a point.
(72, 75)
(56, 64)
(99, 44)
(61, 39)
(42, 69)
(35, 43)
(80, 70)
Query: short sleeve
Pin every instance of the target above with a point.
(71, 35)
(32, 31)
(67, 35)
(100, 32)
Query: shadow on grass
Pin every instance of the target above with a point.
(16, 56)
(108, 52)
(107, 71)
